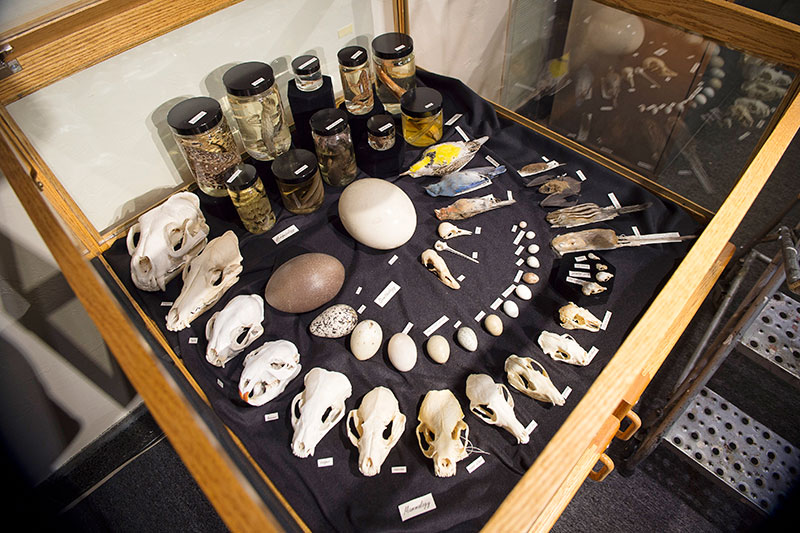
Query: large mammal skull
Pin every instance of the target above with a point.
(440, 429)
(170, 235)
(367, 427)
(267, 371)
(318, 408)
(234, 328)
(563, 348)
(492, 403)
(575, 317)
(205, 280)
(531, 381)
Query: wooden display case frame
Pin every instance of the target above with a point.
(53, 47)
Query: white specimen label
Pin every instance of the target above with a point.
(570, 279)
(398, 48)
(453, 119)
(520, 261)
(192, 340)
(408, 327)
(429, 105)
(334, 123)
(416, 507)
(456, 323)
(387, 293)
(580, 258)
(660, 52)
(635, 231)
(607, 108)
(642, 164)
(474, 255)
(461, 132)
(519, 237)
(358, 290)
(399, 469)
(514, 228)
(479, 316)
(509, 290)
(530, 427)
(325, 461)
(362, 309)
(269, 417)
(220, 384)
(694, 68)
(477, 230)
(592, 353)
(197, 117)
(510, 196)
(582, 266)
(300, 170)
(685, 172)
(567, 391)
(744, 135)
(614, 201)
(436, 325)
(258, 81)
(491, 161)
(393, 259)
(309, 62)
(544, 158)
(285, 234)
(235, 175)
(474, 465)
(166, 304)
(518, 276)
(355, 56)
(606, 318)
(496, 304)
(385, 126)
(576, 274)
(581, 175)
(462, 277)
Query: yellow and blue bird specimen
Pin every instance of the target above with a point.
(444, 158)
(464, 181)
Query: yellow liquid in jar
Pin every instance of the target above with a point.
(304, 197)
(254, 208)
(422, 131)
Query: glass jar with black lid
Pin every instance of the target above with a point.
(250, 199)
(205, 140)
(307, 72)
(395, 69)
(380, 132)
(334, 146)
(422, 116)
(257, 107)
(356, 79)
(297, 176)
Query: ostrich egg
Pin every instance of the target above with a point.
(377, 213)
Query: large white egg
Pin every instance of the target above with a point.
(377, 213)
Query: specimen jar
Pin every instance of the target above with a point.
(297, 176)
(334, 146)
(356, 79)
(250, 199)
(257, 107)
(307, 73)
(395, 72)
(205, 139)
(380, 132)
(422, 116)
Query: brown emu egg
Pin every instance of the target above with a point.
(304, 283)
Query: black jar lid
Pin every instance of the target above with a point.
(305, 64)
(352, 56)
(243, 177)
(194, 115)
(421, 102)
(380, 125)
(248, 79)
(328, 121)
(392, 45)
(294, 166)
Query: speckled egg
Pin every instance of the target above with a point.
(402, 352)
(377, 213)
(304, 283)
(365, 341)
(438, 349)
(334, 322)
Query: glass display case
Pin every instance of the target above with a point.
(617, 102)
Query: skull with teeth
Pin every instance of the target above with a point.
(442, 432)
(170, 235)
(205, 280)
(318, 408)
(492, 403)
(575, 317)
(530, 381)
(267, 371)
(374, 428)
(234, 328)
(563, 348)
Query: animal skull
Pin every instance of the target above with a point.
(368, 425)
(563, 348)
(234, 328)
(575, 317)
(318, 408)
(170, 235)
(440, 429)
(205, 280)
(267, 371)
(434, 262)
(492, 403)
(447, 230)
(531, 381)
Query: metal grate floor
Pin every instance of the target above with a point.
(736, 449)
(775, 334)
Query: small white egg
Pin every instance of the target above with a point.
(533, 248)
(530, 234)
(438, 349)
(523, 292)
(511, 308)
(532, 262)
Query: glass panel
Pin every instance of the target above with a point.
(103, 130)
(684, 111)
(15, 13)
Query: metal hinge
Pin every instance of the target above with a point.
(7, 68)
